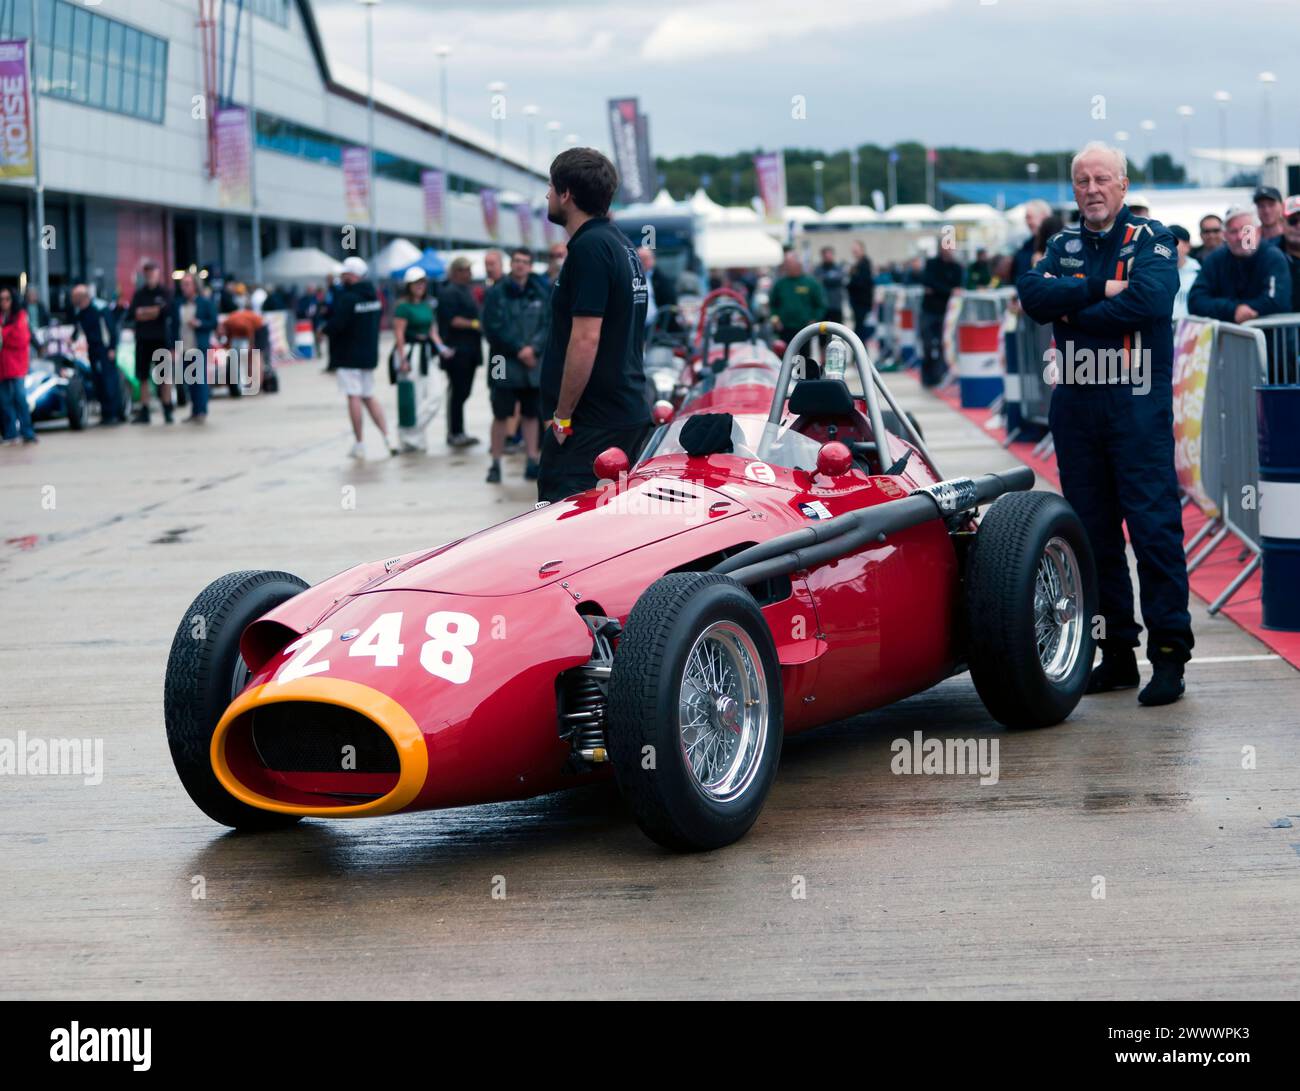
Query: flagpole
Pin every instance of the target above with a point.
(42, 258)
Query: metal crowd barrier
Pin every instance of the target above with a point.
(888, 297)
(1028, 355)
(1217, 367)
(1282, 347)
(972, 345)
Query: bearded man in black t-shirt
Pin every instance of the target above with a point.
(592, 378)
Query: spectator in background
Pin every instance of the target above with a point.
(194, 318)
(1211, 228)
(1036, 211)
(1291, 247)
(861, 290)
(1050, 226)
(1002, 272)
(38, 315)
(458, 322)
(941, 276)
(415, 344)
(1244, 279)
(492, 268)
(797, 298)
(1188, 268)
(555, 258)
(101, 351)
(830, 275)
(354, 327)
(15, 359)
(257, 299)
(647, 258)
(978, 273)
(150, 311)
(663, 291)
(517, 322)
(1268, 207)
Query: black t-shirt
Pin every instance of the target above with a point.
(601, 276)
(152, 330)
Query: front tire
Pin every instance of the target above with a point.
(78, 409)
(695, 711)
(205, 672)
(1031, 595)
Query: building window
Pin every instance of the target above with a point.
(86, 57)
(277, 11)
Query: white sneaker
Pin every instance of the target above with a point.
(359, 452)
(394, 448)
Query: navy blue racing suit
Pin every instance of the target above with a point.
(1114, 439)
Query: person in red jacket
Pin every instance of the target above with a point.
(15, 356)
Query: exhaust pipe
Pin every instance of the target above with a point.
(827, 541)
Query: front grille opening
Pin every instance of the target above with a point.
(310, 737)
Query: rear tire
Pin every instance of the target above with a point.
(695, 692)
(78, 409)
(204, 674)
(1031, 595)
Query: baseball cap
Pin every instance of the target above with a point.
(1180, 233)
(355, 266)
(1235, 211)
(413, 274)
(1267, 193)
(1292, 206)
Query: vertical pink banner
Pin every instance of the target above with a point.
(525, 224)
(769, 170)
(356, 184)
(233, 185)
(431, 182)
(491, 213)
(17, 150)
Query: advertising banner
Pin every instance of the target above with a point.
(356, 184)
(491, 213)
(17, 148)
(769, 171)
(431, 182)
(525, 215)
(629, 139)
(234, 189)
(1193, 349)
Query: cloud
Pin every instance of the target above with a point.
(729, 26)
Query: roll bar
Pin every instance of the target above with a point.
(871, 383)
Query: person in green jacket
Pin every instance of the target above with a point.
(796, 299)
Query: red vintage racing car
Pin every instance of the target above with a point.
(781, 556)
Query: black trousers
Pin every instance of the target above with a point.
(933, 368)
(568, 468)
(460, 383)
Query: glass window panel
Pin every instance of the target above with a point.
(63, 15)
(160, 60)
(113, 87)
(62, 72)
(115, 34)
(95, 83)
(131, 50)
(144, 105)
(45, 18)
(80, 77)
(129, 79)
(81, 31)
(98, 36)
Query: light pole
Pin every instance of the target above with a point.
(530, 112)
(252, 158)
(495, 88)
(853, 176)
(1148, 127)
(1223, 98)
(553, 129)
(38, 186)
(818, 166)
(891, 177)
(1186, 113)
(1266, 81)
(571, 140)
(441, 53)
(369, 5)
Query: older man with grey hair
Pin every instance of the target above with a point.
(1107, 287)
(1036, 211)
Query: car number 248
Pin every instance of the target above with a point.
(445, 654)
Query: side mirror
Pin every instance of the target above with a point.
(611, 464)
(661, 413)
(834, 459)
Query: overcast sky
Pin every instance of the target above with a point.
(720, 75)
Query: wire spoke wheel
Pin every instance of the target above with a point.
(1058, 609)
(722, 711)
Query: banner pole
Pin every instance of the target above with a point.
(38, 185)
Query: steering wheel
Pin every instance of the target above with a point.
(707, 302)
(739, 326)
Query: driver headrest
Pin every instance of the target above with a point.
(707, 434)
(821, 398)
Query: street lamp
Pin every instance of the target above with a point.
(441, 53)
(1186, 113)
(370, 5)
(572, 140)
(1223, 98)
(495, 88)
(1266, 81)
(818, 166)
(1148, 127)
(553, 130)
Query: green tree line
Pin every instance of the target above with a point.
(729, 179)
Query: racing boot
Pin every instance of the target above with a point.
(1166, 684)
(1118, 670)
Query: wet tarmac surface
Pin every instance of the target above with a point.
(855, 881)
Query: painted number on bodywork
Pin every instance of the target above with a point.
(445, 654)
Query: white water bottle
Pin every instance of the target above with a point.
(837, 360)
